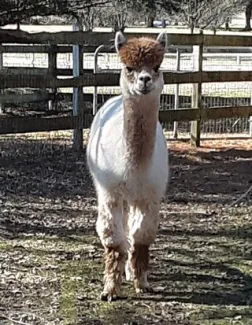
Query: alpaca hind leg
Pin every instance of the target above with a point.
(143, 225)
(110, 229)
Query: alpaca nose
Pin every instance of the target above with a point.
(145, 78)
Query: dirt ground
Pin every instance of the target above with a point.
(51, 265)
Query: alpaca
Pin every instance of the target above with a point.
(127, 158)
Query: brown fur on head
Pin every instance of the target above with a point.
(139, 52)
(143, 51)
(141, 58)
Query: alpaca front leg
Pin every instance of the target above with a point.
(143, 225)
(110, 230)
(140, 266)
(114, 266)
(128, 270)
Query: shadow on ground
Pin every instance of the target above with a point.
(52, 169)
(51, 258)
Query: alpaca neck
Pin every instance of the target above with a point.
(140, 123)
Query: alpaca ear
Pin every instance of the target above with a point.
(119, 41)
(162, 39)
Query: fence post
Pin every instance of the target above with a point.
(176, 99)
(78, 94)
(197, 93)
(52, 66)
(2, 110)
(250, 120)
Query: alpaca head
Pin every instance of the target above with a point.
(141, 59)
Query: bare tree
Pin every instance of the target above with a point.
(207, 13)
(114, 15)
(157, 7)
(88, 17)
(15, 11)
(151, 10)
(121, 13)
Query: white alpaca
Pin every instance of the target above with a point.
(128, 159)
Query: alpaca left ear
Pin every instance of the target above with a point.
(119, 40)
(162, 39)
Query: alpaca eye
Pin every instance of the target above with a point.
(156, 68)
(129, 69)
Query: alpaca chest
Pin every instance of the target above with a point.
(115, 171)
(116, 168)
(140, 186)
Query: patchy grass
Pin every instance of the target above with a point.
(51, 259)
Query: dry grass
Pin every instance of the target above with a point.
(51, 259)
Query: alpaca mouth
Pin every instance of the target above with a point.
(144, 91)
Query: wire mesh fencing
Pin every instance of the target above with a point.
(213, 94)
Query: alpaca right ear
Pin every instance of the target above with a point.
(162, 39)
(119, 41)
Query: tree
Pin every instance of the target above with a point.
(248, 12)
(115, 14)
(121, 10)
(15, 11)
(167, 7)
(207, 13)
(88, 17)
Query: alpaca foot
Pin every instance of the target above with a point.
(109, 296)
(144, 290)
(111, 292)
(142, 287)
(114, 266)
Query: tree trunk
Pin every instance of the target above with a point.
(248, 15)
(151, 13)
(150, 19)
(192, 28)
(227, 22)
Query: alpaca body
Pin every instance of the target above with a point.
(110, 164)
(128, 160)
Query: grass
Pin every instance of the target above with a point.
(51, 258)
(198, 280)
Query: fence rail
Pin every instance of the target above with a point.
(87, 38)
(44, 79)
(109, 79)
(23, 125)
(86, 42)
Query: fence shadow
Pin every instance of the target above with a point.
(52, 169)
(44, 184)
(46, 189)
(49, 182)
(39, 168)
(209, 177)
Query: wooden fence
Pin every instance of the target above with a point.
(86, 42)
